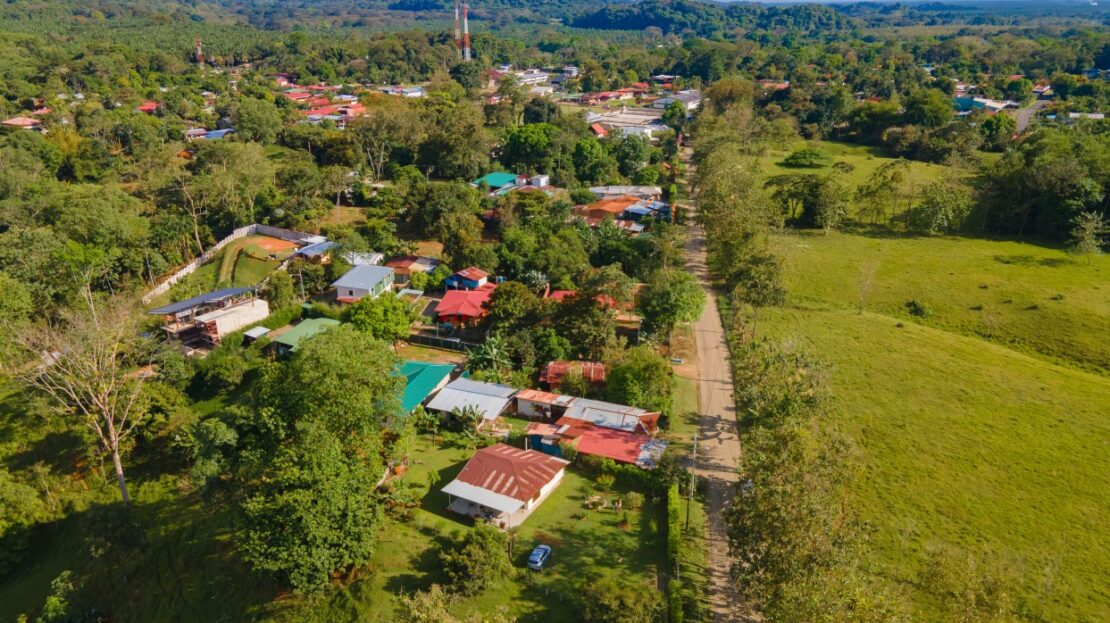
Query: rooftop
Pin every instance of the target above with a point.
(421, 379)
(207, 298)
(463, 303)
(497, 179)
(511, 472)
(490, 398)
(364, 277)
(306, 329)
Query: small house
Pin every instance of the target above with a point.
(614, 416)
(621, 446)
(690, 100)
(554, 372)
(536, 404)
(496, 181)
(201, 320)
(503, 484)
(490, 399)
(361, 282)
(405, 266)
(463, 308)
(148, 107)
(287, 343)
(25, 123)
(471, 278)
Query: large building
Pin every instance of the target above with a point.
(201, 321)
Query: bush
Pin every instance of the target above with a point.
(674, 524)
(614, 601)
(809, 158)
(478, 560)
(917, 308)
(634, 499)
(283, 316)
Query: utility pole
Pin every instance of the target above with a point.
(693, 481)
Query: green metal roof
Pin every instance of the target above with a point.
(306, 329)
(421, 379)
(497, 179)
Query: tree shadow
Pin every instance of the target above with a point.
(61, 451)
(1029, 260)
(426, 568)
(435, 500)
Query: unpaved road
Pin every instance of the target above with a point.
(718, 438)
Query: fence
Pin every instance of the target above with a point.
(246, 230)
(446, 343)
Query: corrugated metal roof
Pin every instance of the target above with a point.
(306, 329)
(214, 296)
(606, 414)
(421, 379)
(317, 249)
(490, 399)
(512, 472)
(478, 495)
(364, 277)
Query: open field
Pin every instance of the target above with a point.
(1036, 299)
(243, 262)
(986, 446)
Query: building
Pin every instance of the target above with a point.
(201, 321)
(370, 258)
(288, 342)
(621, 446)
(149, 107)
(503, 484)
(361, 282)
(554, 372)
(24, 123)
(498, 180)
(614, 416)
(536, 404)
(490, 399)
(316, 251)
(644, 121)
(690, 100)
(405, 266)
(471, 278)
(652, 193)
(422, 379)
(463, 308)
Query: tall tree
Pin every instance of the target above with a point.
(1088, 235)
(86, 363)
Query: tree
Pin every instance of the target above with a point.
(592, 161)
(478, 560)
(85, 363)
(613, 601)
(540, 110)
(808, 157)
(1088, 234)
(675, 116)
(880, 191)
(387, 127)
(512, 307)
(642, 378)
(944, 208)
(528, 147)
(669, 298)
(758, 282)
(632, 152)
(279, 290)
(256, 120)
(470, 75)
(997, 130)
(490, 356)
(386, 317)
(928, 107)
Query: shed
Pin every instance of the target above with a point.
(288, 342)
(253, 335)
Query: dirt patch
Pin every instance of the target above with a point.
(272, 245)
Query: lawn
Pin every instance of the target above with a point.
(1036, 299)
(964, 441)
(587, 545)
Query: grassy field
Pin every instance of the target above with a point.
(996, 447)
(1036, 299)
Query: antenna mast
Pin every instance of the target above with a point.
(200, 54)
(458, 36)
(466, 30)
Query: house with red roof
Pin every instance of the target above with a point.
(407, 265)
(149, 107)
(586, 438)
(503, 484)
(463, 308)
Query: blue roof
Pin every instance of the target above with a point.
(218, 134)
(421, 379)
(201, 299)
(497, 179)
(316, 250)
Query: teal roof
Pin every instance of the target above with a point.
(421, 379)
(306, 329)
(497, 179)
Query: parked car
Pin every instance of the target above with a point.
(539, 557)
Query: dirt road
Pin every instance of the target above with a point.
(718, 437)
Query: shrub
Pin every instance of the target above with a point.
(614, 601)
(674, 524)
(917, 308)
(634, 499)
(606, 481)
(808, 157)
(478, 560)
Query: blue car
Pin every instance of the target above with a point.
(539, 557)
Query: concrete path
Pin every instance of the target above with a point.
(718, 438)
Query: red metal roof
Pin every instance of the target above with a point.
(509, 471)
(473, 273)
(22, 122)
(469, 303)
(149, 106)
(615, 444)
(554, 372)
(599, 130)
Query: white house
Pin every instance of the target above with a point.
(503, 484)
(690, 100)
(490, 399)
(362, 281)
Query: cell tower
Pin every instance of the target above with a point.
(200, 55)
(466, 31)
(458, 36)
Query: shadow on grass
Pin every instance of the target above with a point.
(1029, 260)
(435, 500)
